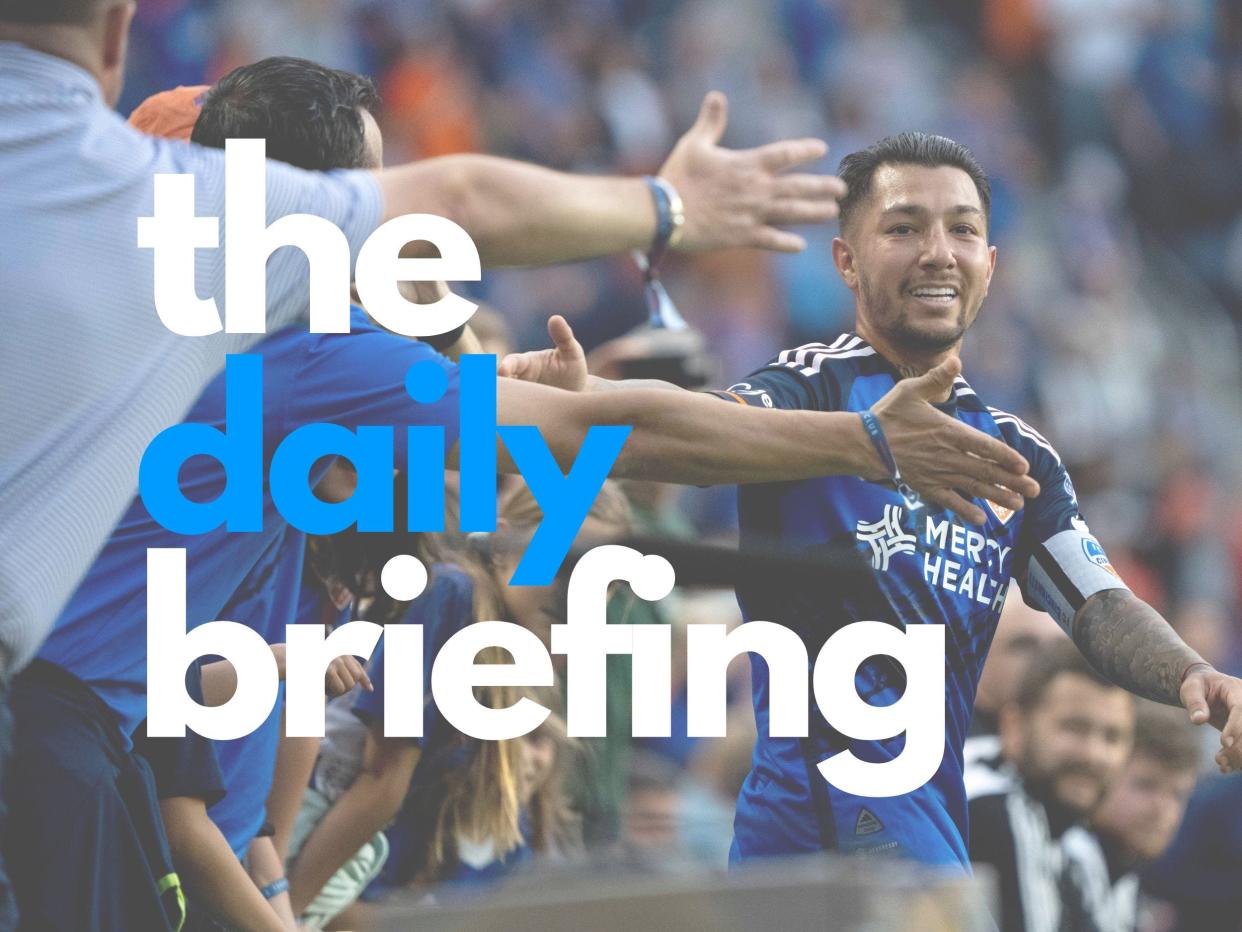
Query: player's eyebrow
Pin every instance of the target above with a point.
(914, 210)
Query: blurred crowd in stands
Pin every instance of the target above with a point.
(1112, 132)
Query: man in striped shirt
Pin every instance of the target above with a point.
(1068, 734)
(1138, 819)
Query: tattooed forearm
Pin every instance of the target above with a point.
(1132, 645)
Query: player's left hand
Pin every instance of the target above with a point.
(739, 197)
(1215, 697)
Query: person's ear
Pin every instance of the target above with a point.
(843, 259)
(116, 22)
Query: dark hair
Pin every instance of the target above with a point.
(308, 114)
(1057, 659)
(47, 12)
(1164, 733)
(858, 168)
(356, 558)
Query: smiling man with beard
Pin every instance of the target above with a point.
(1067, 733)
(914, 251)
(1138, 819)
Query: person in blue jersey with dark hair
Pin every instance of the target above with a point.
(913, 248)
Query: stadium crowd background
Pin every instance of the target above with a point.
(1111, 130)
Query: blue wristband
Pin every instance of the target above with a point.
(880, 442)
(275, 888)
(670, 219)
(662, 314)
(664, 216)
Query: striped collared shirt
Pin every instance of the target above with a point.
(88, 373)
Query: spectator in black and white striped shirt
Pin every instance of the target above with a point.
(1139, 816)
(1068, 733)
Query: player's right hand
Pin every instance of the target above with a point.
(562, 366)
(941, 458)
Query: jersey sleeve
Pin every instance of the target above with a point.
(185, 766)
(784, 384)
(1059, 564)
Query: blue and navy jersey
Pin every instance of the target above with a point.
(916, 567)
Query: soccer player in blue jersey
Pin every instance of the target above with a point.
(913, 248)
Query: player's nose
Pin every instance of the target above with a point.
(937, 252)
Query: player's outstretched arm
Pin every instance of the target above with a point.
(1130, 643)
(696, 439)
(521, 214)
(936, 454)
